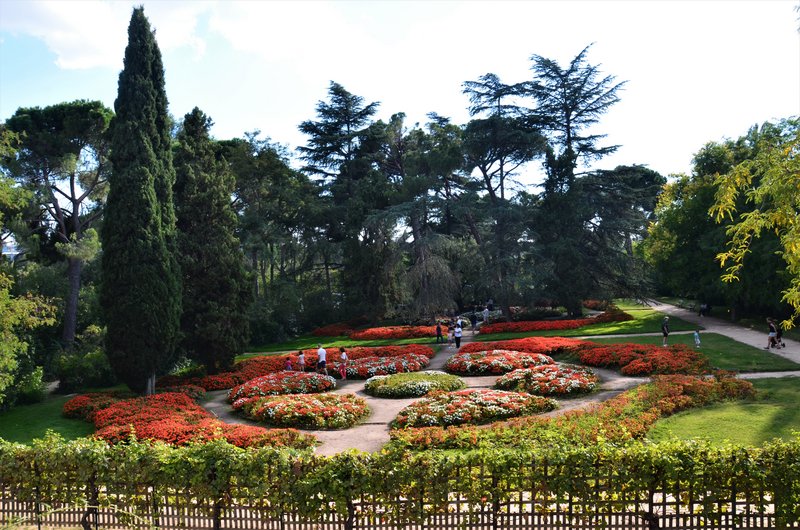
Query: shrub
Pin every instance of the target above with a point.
(79, 370)
(307, 411)
(473, 406)
(547, 325)
(282, 383)
(411, 384)
(84, 406)
(549, 380)
(494, 362)
(31, 387)
(333, 330)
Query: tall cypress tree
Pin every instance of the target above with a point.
(216, 290)
(140, 291)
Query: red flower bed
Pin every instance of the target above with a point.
(494, 362)
(396, 332)
(333, 330)
(282, 383)
(643, 359)
(548, 325)
(257, 366)
(175, 419)
(367, 367)
(549, 380)
(85, 406)
(317, 411)
(545, 345)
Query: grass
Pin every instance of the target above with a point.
(24, 423)
(723, 352)
(774, 414)
(646, 320)
(310, 341)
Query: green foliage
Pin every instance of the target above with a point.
(86, 365)
(31, 388)
(313, 487)
(216, 288)
(25, 423)
(768, 181)
(141, 284)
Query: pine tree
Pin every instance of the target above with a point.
(140, 293)
(216, 289)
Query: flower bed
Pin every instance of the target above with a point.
(85, 406)
(372, 366)
(545, 345)
(627, 416)
(306, 411)
(494, 362)
(473, 406)
(333, 330)
(257, 366)
(643, 359)
(548, 325)
(175, 419)
(550, 380)
(396, 332)
(411, 384)
(283, 383)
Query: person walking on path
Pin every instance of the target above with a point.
(322, 360)
(450, 333)
(665, 330)
(772, 335)
(439, 337)
(343, 363)
(457, 335)
(301, 361)
(473, 321)
(697, 338)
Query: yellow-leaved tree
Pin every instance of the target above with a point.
(770, 181)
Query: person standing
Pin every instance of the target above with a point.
(288, 365)
(343, 363)
(665, 330)
(439, 337)
(301, 361)
(485, 315)
(450, 333)
(457, 335)
(697, 338)
(473, 320)
(322, 358)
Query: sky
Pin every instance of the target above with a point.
(695, 71)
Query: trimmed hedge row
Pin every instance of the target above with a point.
(312, 487)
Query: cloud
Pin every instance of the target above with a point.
(93, 33)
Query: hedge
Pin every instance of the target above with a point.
(693, 478)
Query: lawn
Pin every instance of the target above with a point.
(774, 414)
(646, 320)
(723, 352)
(310, 341)
(23, 423)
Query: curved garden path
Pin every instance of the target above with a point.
(373, 433)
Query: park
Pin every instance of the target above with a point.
(196, 334)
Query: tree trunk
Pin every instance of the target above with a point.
(74, 267)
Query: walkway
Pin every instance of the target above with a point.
(373, 433)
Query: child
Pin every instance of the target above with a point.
(450, 334)
(697, 338)
(301, 361)
(288, 366)
(343, 363)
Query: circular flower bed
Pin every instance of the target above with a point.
(282, 383)
(371, 366)
(411, 384)
(470, 406)
(306, 411)
(550, 380)
(494, 362)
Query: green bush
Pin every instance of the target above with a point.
(411, 384)
(86, 365)
(31, 387)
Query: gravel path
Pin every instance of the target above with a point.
(373, 433)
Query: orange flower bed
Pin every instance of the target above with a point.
(396, 332)
(545, 345)
(643, 359)
(549, 325)
(176, 419)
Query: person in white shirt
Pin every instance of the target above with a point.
(457, 335)
(342, 363)
(486, 314)
(301, 361)
(322, 358)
